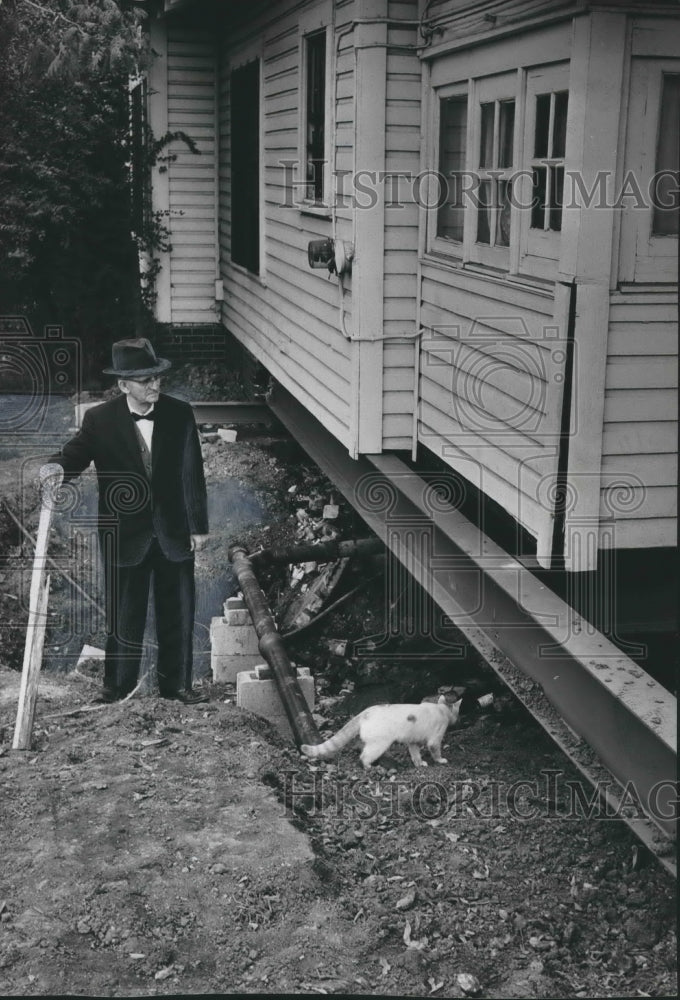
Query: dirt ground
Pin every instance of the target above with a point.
(155, 849)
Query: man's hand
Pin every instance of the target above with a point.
(51, 478)
(197, 542)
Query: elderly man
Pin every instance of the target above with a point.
(152, 517)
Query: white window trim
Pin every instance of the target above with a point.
(435, 243)
(312, 24)
(539, 249)
(646, 257)
(513, 262)
(487, 90)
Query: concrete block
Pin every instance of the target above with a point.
(226, 639)
(233, 648)
(257, 692)
(228, 435)
(225, 669)
(236, 613)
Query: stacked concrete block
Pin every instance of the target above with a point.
(233, 642)
(257, 692)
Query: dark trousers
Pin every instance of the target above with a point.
(127, 596)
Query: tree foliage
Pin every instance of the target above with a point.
(66, 251)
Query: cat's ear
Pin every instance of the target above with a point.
(456, 705)
(441, 700)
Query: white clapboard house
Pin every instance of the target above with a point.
(499, 182)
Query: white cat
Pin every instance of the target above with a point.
(379, 726)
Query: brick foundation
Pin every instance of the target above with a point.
(192, 344)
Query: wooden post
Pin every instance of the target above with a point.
(35, 631)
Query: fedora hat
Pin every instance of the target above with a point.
(135, 359)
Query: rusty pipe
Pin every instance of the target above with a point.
(318, 551)
(272, 649)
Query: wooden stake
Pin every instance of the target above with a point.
(35, 632)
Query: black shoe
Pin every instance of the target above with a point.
(187, 697)
(108, 696)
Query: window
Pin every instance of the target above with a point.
(140, 169)
(315, 130)
(501, 163)
(541, 186)
(245, 166)
(452, 151)
(491, 160)
(547, 165)
(665, 189)
(494, 168)
(648, 247)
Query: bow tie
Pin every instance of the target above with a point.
(143, 416)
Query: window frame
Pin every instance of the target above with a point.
(491, 89)
(440, 244)
(540, 249)
(644, 256)
(520, 259)
(308, 30)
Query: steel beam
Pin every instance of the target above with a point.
(515, 621)
(231, 413)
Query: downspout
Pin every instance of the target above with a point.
(272, 649)
(561, 491)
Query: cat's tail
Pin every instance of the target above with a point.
(335, 743)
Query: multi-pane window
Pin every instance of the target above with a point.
(315, 124)
(665, 188)
(496, 146)
(501, 166)
(547, 165)
(452, 153)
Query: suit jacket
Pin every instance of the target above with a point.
(133, 508)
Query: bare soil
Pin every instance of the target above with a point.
(153, 849)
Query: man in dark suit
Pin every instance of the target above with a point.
(152, 517)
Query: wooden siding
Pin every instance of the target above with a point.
(192, 219)
(456, 19)
(489, 399)
(288, 316)
(638, 490)
(403, 131)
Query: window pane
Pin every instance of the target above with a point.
(484, 213)
(556, 192)
(506, 133)
(486, 142)
(452, 148)
(503, 218)
(560, 124)
(665, 194)
(542, 126)
(538, 198)
(316, 115)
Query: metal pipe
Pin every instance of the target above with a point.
(319, 551)
(272, 649)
